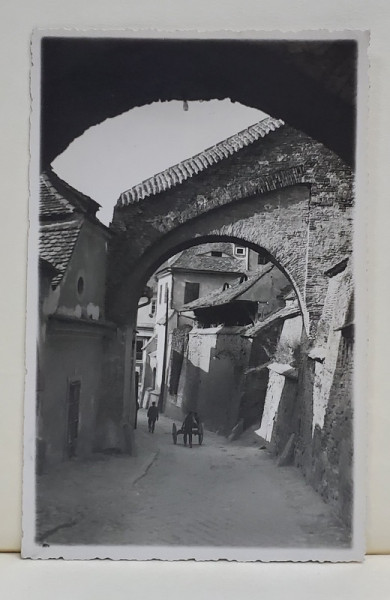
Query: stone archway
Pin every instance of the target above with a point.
(280, 191)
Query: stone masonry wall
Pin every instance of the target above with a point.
(282, 159)
(293, 197)
(324, 445)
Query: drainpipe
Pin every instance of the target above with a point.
(164, 365)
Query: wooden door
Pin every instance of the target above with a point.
(73, 417)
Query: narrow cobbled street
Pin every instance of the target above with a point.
(220, 493)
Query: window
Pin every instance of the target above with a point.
(160, 294)
(153, 308)
(138, 351)
(80, 286)
(216, 253)
(73, 417)
(191, 292)
(262, 259)
(240, 251)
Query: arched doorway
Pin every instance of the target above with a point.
(298, 210)
(199, 348)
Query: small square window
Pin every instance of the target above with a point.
(240, 251)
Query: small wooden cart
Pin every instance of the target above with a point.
(196, 431)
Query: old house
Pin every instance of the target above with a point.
(73, 328)
(183, 278)
(215, 355)
(146, 319)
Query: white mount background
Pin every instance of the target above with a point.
(49, 580)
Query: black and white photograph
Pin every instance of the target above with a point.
(195, 382)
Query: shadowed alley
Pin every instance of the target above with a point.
(216, 494)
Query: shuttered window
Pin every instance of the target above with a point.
(191, 292)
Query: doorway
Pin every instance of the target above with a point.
(73, 417)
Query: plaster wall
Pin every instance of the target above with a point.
(257, 375)
(72, 345)
(160, 334)
(253, 396)
(212, 376)
(164, 283)
(88, 262)
(145, 319)
(70, 357)
(176, 288)
(289, 342)
(330, 469)
(272, 399)
(328, 340)
(277, 420)
(149, 363)
(208, 282)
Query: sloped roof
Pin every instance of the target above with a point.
(56, 244)
(46, 268)
(196, 259)
(219, 297)
(59, 199)
(62, 212)
(223, 264)
(287, 312)
(283, 369)
(162, 320)
(200, 162)
(205, 247)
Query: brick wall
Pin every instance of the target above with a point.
(293, 197)
(306, 228)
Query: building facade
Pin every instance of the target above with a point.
(185, 277)
(146, 319)
(209, 363)
(73, 328)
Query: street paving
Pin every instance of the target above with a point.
(218, 494)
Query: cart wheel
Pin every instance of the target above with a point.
(174, 433)
(200, 434)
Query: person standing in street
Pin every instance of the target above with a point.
(152, 415)
(191, 421)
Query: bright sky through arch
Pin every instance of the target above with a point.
(123, 151)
